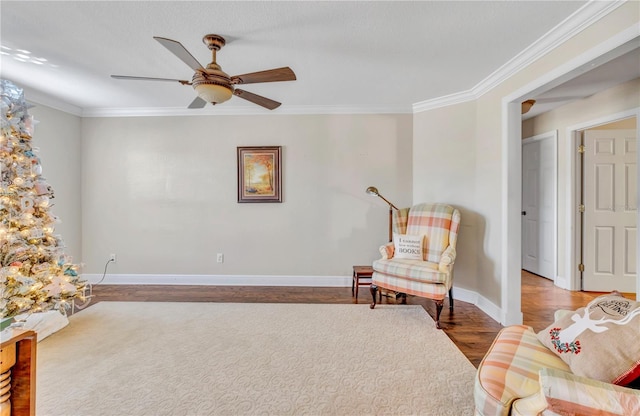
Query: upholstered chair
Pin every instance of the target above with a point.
(420, 259)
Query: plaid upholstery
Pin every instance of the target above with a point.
(400, 218)
(416, 270)
(510, 368)
(433, 277)
(566, 393)
(439, 222)
(410, 287)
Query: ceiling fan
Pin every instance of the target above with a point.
(211, 83)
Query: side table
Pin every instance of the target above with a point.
(18, 367)
(359, 273)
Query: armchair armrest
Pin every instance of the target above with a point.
(535, 404)
(387, 250)
(567, 393)
(447, 259)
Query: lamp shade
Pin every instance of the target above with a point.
(212, 84)
(372, 190)
(213, 93)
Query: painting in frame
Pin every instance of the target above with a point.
(260, 174)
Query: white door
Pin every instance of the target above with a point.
(539, 205)
(610, 199)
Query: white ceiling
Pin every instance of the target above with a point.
(360, 55)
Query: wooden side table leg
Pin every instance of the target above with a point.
(22, 383)
(353, 282)
(357, 284)
(373, 289)
(23, 397)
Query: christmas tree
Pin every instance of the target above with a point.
(36, 275)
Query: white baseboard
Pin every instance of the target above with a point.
(562, 282)
(484, 304)
(464, 295)
(218, 280)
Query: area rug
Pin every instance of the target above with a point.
(155, 358)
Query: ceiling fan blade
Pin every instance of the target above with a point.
(197, 103)
(180, 51)
(256, 99)
(181, 81)
(270, 75)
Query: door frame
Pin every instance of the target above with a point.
(553, 136)
(573, 172)
(511, 169)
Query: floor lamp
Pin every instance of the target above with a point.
(372, 190)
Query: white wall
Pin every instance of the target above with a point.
(445, 169)
(57, 135)
(161, 193)
(457, 160)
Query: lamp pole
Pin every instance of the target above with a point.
(372, 190)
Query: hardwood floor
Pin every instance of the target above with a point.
(467, 326)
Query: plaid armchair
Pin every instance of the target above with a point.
(432, 275)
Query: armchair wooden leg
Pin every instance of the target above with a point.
(451, 299)
(374, 289)
(439, 305)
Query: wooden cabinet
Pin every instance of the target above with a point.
(18, 373)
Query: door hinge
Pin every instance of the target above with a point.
(581, 267)
(581, 148)
(581, 208)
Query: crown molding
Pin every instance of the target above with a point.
(235, 111)
(565, 30)
(444, 101)
(37, 97)
(343, 109)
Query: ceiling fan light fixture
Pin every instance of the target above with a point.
(213, 85)
(213, 93)
(526, 105)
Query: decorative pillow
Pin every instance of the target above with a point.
(600, 340)
(408, 246)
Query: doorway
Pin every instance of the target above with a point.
(511, 266)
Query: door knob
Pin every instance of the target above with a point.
(524, 212)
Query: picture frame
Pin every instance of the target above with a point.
(259, 173)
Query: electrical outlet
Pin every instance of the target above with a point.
(220, 258)
(112, 257)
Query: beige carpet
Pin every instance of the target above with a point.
(130, 358)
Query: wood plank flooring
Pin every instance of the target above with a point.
(467, 326)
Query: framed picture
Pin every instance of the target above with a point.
(260, 174)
